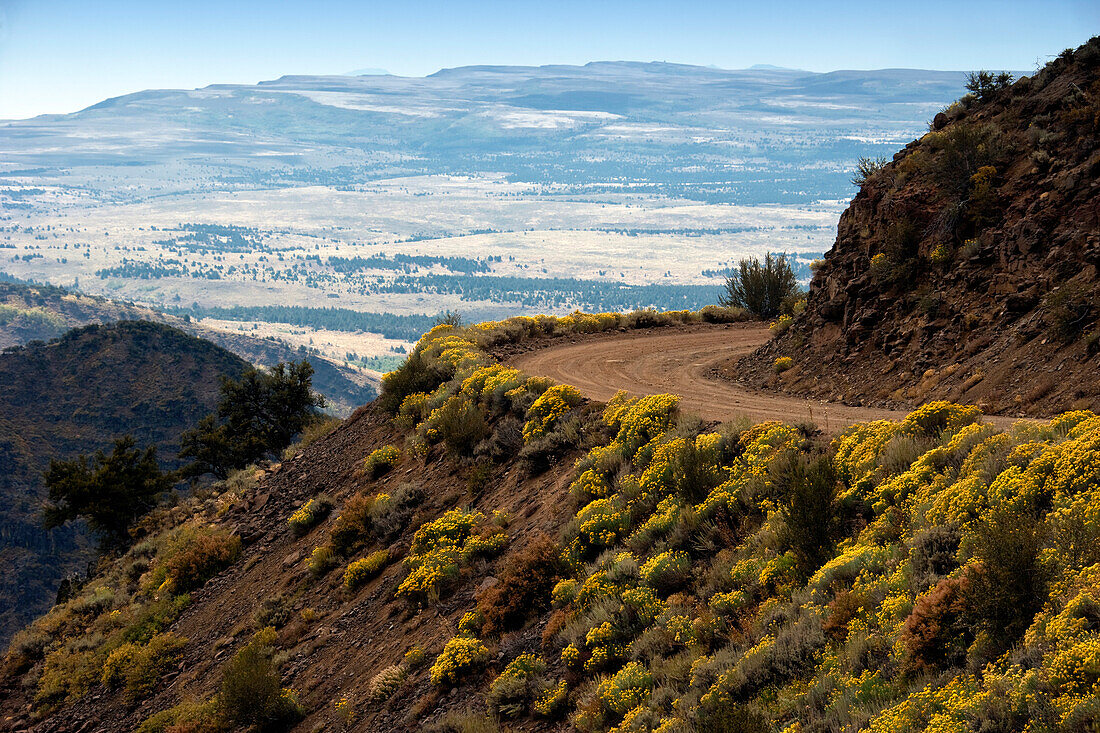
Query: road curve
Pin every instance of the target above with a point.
(680, 362)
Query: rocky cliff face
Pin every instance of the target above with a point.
(966, 267)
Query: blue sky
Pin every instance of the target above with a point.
(62, 55)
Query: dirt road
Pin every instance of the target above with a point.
(679, 362)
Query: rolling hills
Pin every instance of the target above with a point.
(492, 191)
(37, 312)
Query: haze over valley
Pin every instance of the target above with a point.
(490, 191)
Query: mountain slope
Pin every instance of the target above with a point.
(679, 577)
(75, 395)
(969, 265)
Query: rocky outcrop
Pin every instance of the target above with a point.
(966, 267)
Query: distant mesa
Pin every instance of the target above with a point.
(368, 71)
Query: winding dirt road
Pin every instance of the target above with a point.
(680, 362)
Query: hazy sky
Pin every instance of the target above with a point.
(63, 55)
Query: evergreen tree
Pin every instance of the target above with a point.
(109, 491)
(258, 416)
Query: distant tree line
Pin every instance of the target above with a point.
(557, 292)
(409, 263)
(404, 327)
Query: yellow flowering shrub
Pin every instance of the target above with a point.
(309, 514)
(381, 461)
(365, 568)
(516, 688)
(550, 702)
(667, 569)
(564, 592)
(779, 326)
(460, 656)
(626, 689)
(932, 419)
(602, 522)
(441, 547)
(548, 408)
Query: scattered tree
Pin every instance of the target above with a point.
(761, 288)
(866, 168)
(449, 318)
(985, 84)
(258, 416)
(109, 491)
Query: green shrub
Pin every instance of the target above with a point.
(390, 514)
(809, 512)
(137, 668)
(381, 461)
(1010, 587)
(783, 363)
(187, 717)
(156, 617)
(719, 314)
(310, 514)
(252, 692)
(1070, 310)
(274, 611)
(966, 147)
(866, 169)
(460, 424)
(645, 318)
(760, 288)
(363, 569)
(478, 477)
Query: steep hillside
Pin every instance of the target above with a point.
(968, 265)
(75, 395)
(478, 541)
(32, 312)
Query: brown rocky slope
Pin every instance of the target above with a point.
(968, 265)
